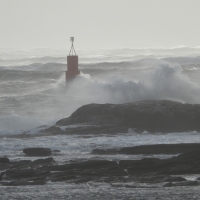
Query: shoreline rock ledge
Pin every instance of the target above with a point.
(37, 151)
(162, 116)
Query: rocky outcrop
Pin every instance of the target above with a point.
(53, 129)
(4, 160)
(149, 115)
(150, 149)
(42, 162)
(37, 151)
(148, 171)
(184, 183)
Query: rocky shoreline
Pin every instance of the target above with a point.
(150, 149)
(153, 116)
(152, 172)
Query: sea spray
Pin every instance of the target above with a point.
(165, 81)
(37, 94)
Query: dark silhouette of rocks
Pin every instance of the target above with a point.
(37, 151)
(21, 173)
(184, 183)
(42, 162)
(123, 173)
(4, 160)
(24, 182)
(53, 129)
(150, 149)
(150, 115)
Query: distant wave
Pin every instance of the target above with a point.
(28, 61)
(46, 63)
(165, 81)
(184, 60)
(159, 48)
(26, 57)
(36, 67)
(14, 125)
(52, 71)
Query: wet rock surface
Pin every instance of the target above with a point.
(4, 160)
(37, 151)
(162, 116)
(147, 172)
(184, 183)
(150, 149)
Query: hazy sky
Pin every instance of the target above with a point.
(99, 23)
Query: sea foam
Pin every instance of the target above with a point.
(49, 98)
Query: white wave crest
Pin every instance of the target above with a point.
(165, 81)
(161, 80)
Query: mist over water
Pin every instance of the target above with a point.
(164, 81)
(33, 91)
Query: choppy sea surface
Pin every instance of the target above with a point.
(97, 191)
(33, 93)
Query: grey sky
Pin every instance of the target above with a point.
(99, 23)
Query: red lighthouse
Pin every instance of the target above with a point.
(72, 63)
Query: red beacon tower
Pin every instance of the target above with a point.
(72, 63)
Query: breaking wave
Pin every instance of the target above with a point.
(37, 94)
(164, 81)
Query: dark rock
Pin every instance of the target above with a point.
(23, 182)
(146, 165)
(38, 178)
(61, 167)
(4, 163)
(180, 169)
(20, 164)
(37, 151)
(147, 171)
(90, 164)
(4, 160)
(144, 161)
(135, 185)
(84, 180)
(42, 176)
(174, 179)
(114, 171)
(63, 177)
(151, 149)
(43, 162)
(4, 166)
(158, 178)
(53, 129)
(186, 163)
(94, 164)
(183, 183)
(23, 173)
(191, 156)
(168, 184)
(150, 115)
(42, 173)
(105, 171)
(122, 185)
(64, 122)
(96, 129)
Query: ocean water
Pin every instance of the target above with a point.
(33, 93)
(93, 191)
